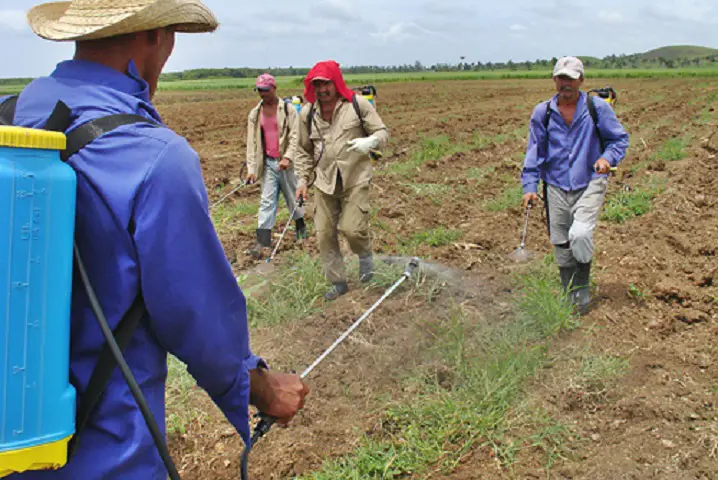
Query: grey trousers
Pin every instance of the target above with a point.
(275, 182)
(572, 220)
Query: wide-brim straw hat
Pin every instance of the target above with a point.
(95, 19)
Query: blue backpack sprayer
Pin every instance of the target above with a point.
(39, 424)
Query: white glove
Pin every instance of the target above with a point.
(363, 145)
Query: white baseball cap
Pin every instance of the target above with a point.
(569, 66)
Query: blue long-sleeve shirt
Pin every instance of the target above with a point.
(572, 150)
(149, 177)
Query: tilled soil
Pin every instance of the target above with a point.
(655, 276)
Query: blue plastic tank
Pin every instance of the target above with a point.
(37, 221)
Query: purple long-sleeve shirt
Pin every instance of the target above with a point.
(149, 177)
(572, 150)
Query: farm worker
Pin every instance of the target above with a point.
(143, 228)
(271, 145)
(335, 148)
(566, 152)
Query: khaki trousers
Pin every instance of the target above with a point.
(346, 211)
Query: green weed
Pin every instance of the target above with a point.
(673, 149)
(436, 237)
(626, 204)
(598, 371)
(479, 173)
(432, 148)
(510, 197)
(635, 292)
(182, 398)
(229, 212)
(464, 402)
(293, 296)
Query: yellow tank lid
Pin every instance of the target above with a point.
(20, 137)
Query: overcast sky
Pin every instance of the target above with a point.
(387, 32)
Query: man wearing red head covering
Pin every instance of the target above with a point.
(337, 132)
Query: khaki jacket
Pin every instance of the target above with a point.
(355, 168)
(287, 136)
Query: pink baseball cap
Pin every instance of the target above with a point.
(265, 81)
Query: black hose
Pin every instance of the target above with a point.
(126, 372)
(264, 425)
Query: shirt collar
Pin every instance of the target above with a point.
(130, 83)
(580, 105)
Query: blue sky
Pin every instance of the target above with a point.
(386, 32)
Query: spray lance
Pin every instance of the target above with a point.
(299, 203)
(266, 422)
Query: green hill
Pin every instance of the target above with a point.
(676, 52)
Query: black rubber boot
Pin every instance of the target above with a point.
(301, 229)
(582, 297)
(264, 240)
(568, 275)
(337, 291)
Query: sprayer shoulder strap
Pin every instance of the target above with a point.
(104, 368)
(594, 116)
(357, 110)
(355, 104)
(7, 110)
(591, 111)
(78, 139)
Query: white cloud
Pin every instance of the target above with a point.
(611, 18)
(336, 10)
(13, 20)
(402, 31)
(517, 27)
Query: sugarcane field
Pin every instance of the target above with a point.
(358, 241)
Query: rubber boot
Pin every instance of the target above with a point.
(337, 291)
(301, 229)
(264, 240)
(581, 282)
(366, 268)
(568, 275)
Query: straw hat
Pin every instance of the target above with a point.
(93, 19)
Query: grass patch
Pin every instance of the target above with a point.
(597, 372)
(429, 189)
(510, 197)
(626, 204)
(673, 149)
(464, 401)
(436, 237)
(432, 148)
(227, 212)
(479, 174)
(291, 297)
(385, 275)
(182, 396)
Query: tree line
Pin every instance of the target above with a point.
(634, 61)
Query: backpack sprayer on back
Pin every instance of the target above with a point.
(39, 425)
(607, 93)
(368, 92)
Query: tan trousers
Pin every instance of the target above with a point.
(346, 211)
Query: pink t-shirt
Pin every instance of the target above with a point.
(271, 135)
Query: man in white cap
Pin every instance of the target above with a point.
(574, 141)
(271, 146)
(145, 235)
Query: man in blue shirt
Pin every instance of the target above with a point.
(142, 226)
(573, 156)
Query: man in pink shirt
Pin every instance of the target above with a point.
(271, 145)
